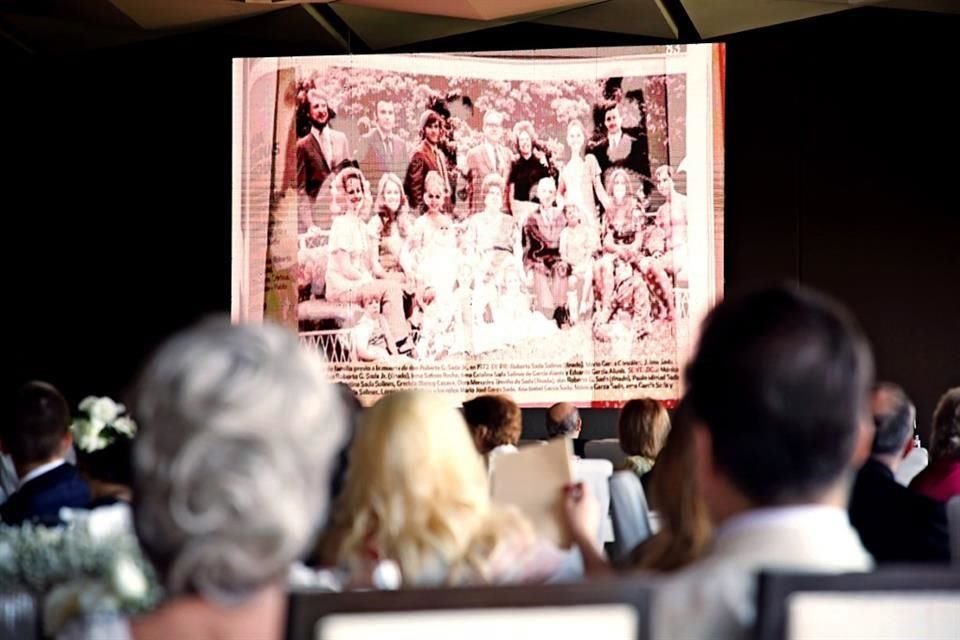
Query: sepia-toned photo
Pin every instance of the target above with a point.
(523, 213)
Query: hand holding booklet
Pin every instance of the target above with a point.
(532, 480)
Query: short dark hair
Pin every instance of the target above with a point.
(780, 381)
(565, 426)
(499, 418)
(895, 424)
(41, 418)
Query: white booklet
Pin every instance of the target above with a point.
(532, 480)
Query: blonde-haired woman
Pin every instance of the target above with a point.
(350, 276)
(416, 494)
(642, 428)
(580, 182)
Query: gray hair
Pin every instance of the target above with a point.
(232, 464)
(945, 440)
(565, 426)
(895, 423)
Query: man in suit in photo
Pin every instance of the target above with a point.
(37, 440)
(319, 153)
(895, 523)
(490, 156)
(381, 150)
(620, 149)
(778, 390)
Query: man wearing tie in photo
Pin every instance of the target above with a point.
(490, 156)
(620, 149)
(318, 155)
(381, 150)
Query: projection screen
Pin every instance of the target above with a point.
(547, 224)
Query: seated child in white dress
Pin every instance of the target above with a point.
(578, 243)
(372, 334)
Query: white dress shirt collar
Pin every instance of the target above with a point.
(812, 516)
(39, 471)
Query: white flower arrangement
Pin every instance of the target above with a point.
(74, 572)
(100, 423)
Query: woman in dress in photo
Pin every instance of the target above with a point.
(621, 237)
(351, 276)
(388, 226)
(579, 182)
(431, 255)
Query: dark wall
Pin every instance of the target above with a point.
(840, 174)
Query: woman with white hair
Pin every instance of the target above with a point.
(232, 467)
(417, 494)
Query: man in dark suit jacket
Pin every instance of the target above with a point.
(622, 150)
(381, 150)
(895, 524)
(319, 153)
(37, 439)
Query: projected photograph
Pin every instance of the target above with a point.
(546, 224)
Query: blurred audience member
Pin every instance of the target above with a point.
(674, 495)
(642, 428)
(37, 438)
(232, 464)
(895, 523)
(941, 480)
(417, 495)
(778, 393)
(563, 420)
(494, 422)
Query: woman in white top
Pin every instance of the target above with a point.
(580, 176)
(351, 275)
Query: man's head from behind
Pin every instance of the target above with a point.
(39, 429)
(778, 387)
(895, 419)
(563, 420)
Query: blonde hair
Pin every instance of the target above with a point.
(675, 496)
(417, 492)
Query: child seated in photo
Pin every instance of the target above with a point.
(513, 312)
(371, 333)
(624, 318)
(578, 243)
(475, 298)
(441, 325)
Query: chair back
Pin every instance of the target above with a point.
(617, 609)
(953, 521)
(916, 602)
(596, 475)
(605, 449)
(630, 514)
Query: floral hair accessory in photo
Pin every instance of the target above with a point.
(100, 423)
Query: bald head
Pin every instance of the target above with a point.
(563, 419)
